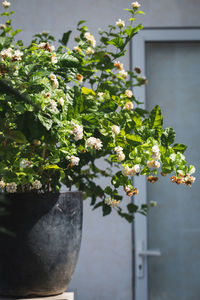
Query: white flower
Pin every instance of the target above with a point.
(53, 104)
(112, 202)
(2, 26)
(89, 51)
(123, 74)
(42, 45)
(120, 156)
(125, 171)
(153, 203)
(90, 38)
(54, 59)
(155, 149)
(94, 143)
(2, 184)
(128, 171)
(120, 23)
(17, 55)
(131, 171)
(54, 81)
(46, 46)
(11, 187)
(128, 105)
(74, 160)
(156, 164)
(135, 4)
(150, 164)
(6, 4)
(25, 164)
(116, 129)
(156, 156)
(78, 132)
(100, 94)
(118, 149)
(136, 168)
(153, 164)
(37, 184)
(6, 53)
(129, 93)
(61, 101)
(173, 156)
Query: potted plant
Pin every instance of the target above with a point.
(60, 111)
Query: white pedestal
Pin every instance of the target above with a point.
(64, 296)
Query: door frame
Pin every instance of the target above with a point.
(138, 58)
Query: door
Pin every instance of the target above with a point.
(167, 242)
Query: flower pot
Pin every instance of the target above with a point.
(40, 256)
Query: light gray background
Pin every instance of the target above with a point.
(104, 270)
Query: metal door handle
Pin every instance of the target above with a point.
(149, 253)
(141, 255)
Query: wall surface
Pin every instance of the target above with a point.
(104, 270)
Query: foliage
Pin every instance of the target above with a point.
(62, 109)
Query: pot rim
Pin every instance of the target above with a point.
(40, 194)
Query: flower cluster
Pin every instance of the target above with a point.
(120, 154)
(131, 171)
(94, 143)
(14, 55)
(112, 202)
(187, 179)
(54, 81)
(154, 163)
(90, 38)
(77, 131)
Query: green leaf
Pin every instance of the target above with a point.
(126, 216)
(106, 209)
(90, 118)
(137, 120)
(132, 208)
(7, 14)
(191, 169)
(108, 190)
(46, 122)
(133, 139)
(17, 136)
(65, 38)
(140, 12)
(16, 32)
(168, 136)
(99, 204)
(52, 167)
(156, 118)
(179, 148)
(87, 91)
(145, 171)
(167, 169)
(81, 22)
(118, 42)
(66, 60)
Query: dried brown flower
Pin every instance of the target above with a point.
(152, 179)
(138, 70)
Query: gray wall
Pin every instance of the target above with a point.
(104, 270)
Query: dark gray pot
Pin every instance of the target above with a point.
(40, 258)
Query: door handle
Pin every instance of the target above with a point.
(141, 256)
(149, 253)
